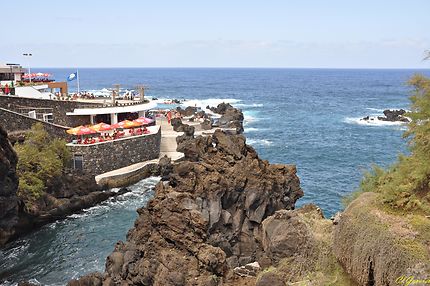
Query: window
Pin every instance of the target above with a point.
(78, 162)
(32, 114)
(48, 117)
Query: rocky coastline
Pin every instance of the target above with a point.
(205, 219)
(64, 196)
(223, 216)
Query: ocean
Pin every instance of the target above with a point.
(306, 117)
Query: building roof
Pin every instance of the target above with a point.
(113, 109)
(15, 68)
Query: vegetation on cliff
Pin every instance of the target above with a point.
(405, 186)
(41, 159)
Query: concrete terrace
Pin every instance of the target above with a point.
(133, 173)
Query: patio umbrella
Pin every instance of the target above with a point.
(144, 120)
(39, 74)
(126, 124)
(102, 127)
(81, 130)
(73, 131)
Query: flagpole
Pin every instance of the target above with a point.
(77, 75)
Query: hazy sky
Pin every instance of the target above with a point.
(234, 33)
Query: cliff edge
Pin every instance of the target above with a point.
(8, 188)
(205, 220)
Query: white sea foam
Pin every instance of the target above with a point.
(249, 105)
(264, 142)
(138, 194)
(251, 129)
(373, 121)
(382, 109)
(212, 102)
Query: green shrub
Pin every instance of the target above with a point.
(405, 186)
(40, 159)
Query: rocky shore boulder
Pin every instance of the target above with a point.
(394, 115)
(206, 219)
(378, 248)
(299, 247)
(390, 115)
(188, 111)
(221, 108)
(8, 188)
(230, 117)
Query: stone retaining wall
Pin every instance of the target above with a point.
(15, 122)
(111, 155)
(59, 108)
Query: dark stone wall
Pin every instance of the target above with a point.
(107, 156)
(15, 122)
(59, 108)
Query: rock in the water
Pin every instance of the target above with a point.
(221, 108)
(390, 115)
(230, 117)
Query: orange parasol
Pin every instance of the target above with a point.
(81, 130)
(102, 127)
(126, 124)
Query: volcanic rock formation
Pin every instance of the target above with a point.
(206, 219)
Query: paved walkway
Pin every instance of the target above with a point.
(167, 148)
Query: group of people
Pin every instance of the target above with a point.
(115, 135)
(173, 114)
(84, 94)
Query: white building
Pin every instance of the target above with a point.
(10, 73)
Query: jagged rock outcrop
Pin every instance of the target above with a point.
(221, 108)
(378, 248)
(230, 117)
(205, 220)
(188, 111)
(8, 188)
(49, 208)
(390, 115)
(178, 126)
(394, 115)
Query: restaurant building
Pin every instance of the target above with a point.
(19, 112)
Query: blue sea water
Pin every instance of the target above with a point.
(306, 117)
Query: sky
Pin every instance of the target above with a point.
(234, 33)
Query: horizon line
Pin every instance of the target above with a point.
(250, 67)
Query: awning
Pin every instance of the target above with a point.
(113, 109)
